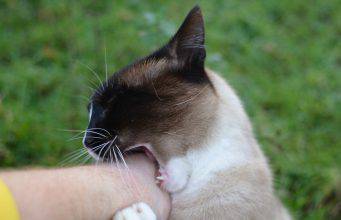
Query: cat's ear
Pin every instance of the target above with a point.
(187, 47)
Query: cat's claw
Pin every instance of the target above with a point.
(138, 211)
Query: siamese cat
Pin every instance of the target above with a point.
(191, 122)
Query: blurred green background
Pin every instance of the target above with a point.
(283, 58)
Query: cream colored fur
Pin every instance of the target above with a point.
(228, 176)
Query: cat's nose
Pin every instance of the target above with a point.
(90, 140)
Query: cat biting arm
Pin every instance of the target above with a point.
(192, 125)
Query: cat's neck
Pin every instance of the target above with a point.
(232, 129)
(230, 141)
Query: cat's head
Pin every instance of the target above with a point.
(163, 102)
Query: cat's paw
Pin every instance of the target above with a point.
(138, 211)
(174, 176)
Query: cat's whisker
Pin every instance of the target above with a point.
(73, 157)
(101, 146)
(94, 72)
(109, 148)
(85, 160)
(70, 130)
(99, 154)
(90, 130)
(73, 152)
(94, 132)
(80, 132)
(111, 157)
(75, 138)
(111, 161)
(100, 129)
(92, 84)
(93, 90)
(122, 176)
(106, 65)
(67, 159)
(93, 150)
(92, 136)
(130, 187)
(106, 151)
(97, 147)
(75, 161)
(138, 189)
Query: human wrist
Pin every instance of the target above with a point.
(112, 188)
(158, 199)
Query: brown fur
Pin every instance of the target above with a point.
(187, 114)
(182, 111)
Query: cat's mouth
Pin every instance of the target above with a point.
(145, 149)
(107, 155)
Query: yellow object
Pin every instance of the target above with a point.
(8, 209)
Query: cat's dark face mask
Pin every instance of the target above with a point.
(161, 100)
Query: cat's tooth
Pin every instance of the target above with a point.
(160, 178)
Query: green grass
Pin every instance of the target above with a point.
(283, 58)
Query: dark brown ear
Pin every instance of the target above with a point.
(188, 44)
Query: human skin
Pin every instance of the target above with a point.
(87, 192)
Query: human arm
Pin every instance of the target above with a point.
(87, 192)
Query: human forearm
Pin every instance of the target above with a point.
(87, 192)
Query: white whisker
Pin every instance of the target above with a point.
(75, 138)
(92, 84)
(138, 189)
(94, 132)
(72, 157)
(99, 129)
(99, 154)
(130, 190)
(93, 71)
(106, 65)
